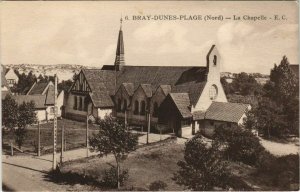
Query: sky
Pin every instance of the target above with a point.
(85, 33)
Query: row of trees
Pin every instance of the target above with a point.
(16, 117)
(243, 84)
(26, 81)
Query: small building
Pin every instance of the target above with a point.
(42, 94)
(5, 89)
(90, 95)
(262, 80)
(220, 114)
(11, 77)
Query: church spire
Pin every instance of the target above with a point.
(120, 49)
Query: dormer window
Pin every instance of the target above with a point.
(215, 60)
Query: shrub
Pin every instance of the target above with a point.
(265, 161)
(20, 136)
(158, 186)
(240, 144)
(203, 167)
(110, 178)
(279, 171)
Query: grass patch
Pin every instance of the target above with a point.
(146, 165)
(75, 135)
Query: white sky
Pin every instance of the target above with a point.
(85, 33)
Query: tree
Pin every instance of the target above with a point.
(271, 119)
(245, 84)
(9, 112)
(202, 167)
(278, 112)
(238, 144)
(228, 89)
(26, 116)
(113, 138)
(64, 85)
(41, 78)
(292, 112)
(24, 83)
(283, 84)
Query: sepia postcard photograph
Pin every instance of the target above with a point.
(149, 95)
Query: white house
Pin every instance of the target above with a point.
(11, 77)
(42, 94)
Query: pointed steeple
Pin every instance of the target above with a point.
(120, 49)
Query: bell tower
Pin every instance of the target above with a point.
(120, 60)
(213, 64)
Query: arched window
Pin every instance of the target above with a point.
(80, 104)
(155, 109)
(86, 103)
(213, 92)
(125, 105)
(215, 60)
(143, 108)
(75, 103)
(136, 107)
(119, 105)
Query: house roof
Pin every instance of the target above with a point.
(3, 79)
(190, 80)
(295, 69)
(38, 88)
(182, 102)
(101, 98)
(50, 96)
(102, 85)
(229, 112)
(39, 100)
(5, 90)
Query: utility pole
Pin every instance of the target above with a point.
(126, 119)
(148, 128)
(87, 135)
(55, 124)
(39, 139)
(62, 142)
